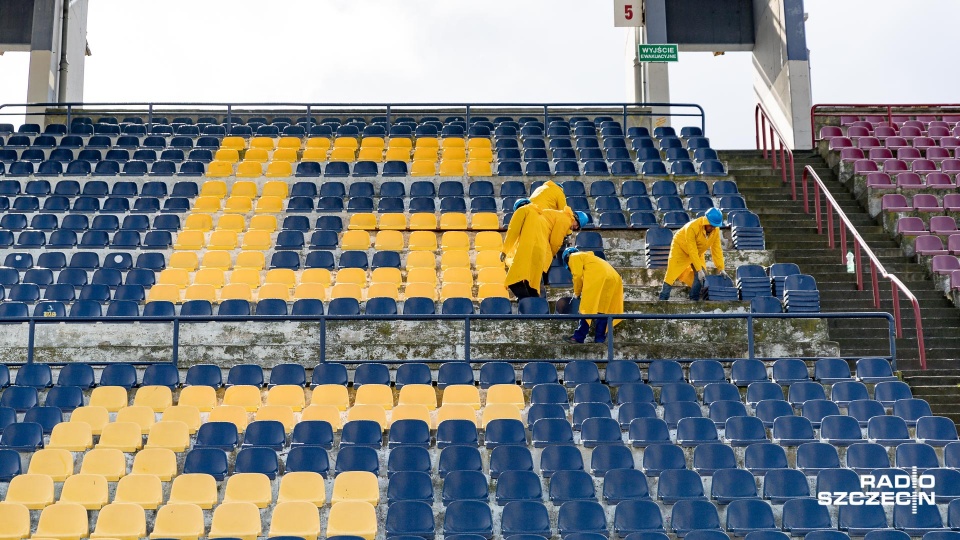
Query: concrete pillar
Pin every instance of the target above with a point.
(44, 79)
(650, 81)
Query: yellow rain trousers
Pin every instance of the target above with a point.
(688, 248)
(526, 244)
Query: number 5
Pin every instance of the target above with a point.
(628, 11)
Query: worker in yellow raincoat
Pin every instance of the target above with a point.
(600, 289)
(526, 243)
(687, 264)
(549, 196)
(561, 224)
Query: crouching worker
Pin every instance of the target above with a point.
(687, 263)
(600, 289)
(527, 245)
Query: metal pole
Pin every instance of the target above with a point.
(468, 118)
(750, 337)
(896, 308)
(309, 120)
(323, 340)
(856, 258)
(832, 240)
(69, 119)
(625, 119)
(893, 348)
(466, 336)
(229, 118)
(149, 117)
(388, 116)
(609, 339)
(175, 354)
(546, 117)
(876, 285)
(31, 338)
(843, 241)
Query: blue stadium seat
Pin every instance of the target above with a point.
(463, 485)
(246, 374)
(695, 431)
(888, 430)
(222, 435)
(709, 458)
(592, 392)
(456, 432)
(9, 465)
(34, 375)
(888, 392)
(911, 410)
(919, 455)
(507, 458)
(413, 373)
(371, 373)
(312, 433)
(22, 437)
(454, 373)
(600, 431)
(504, 432)
(408, 458)
(694, 515)
(678, 484)
(792, 430)
(787, 371)
(817, 409)
(624, 484)
(781, 485)
(409, 518)
(329, 373)
(864, 457)
(660, 457)
(212, 461)
(845, 391)
(196, 308)
(309, 458)
(936, 431)
(47, 417)
(161, 375)
(308, 306)
(769, 409)
(764, 390)
(271, 306)
(361, 433)
(761, 457)
(722, 391)
(381, 306)
(840, 430)
(859, 520)
(538, 373)
(730, 484)
(672, 392)
(874, 370)
(587, 410)
(265, 433)
(563, 457)
(748, 515)
(580, 371)
(409, 432)
(677, 410)
(516, 485)
(257, 460)
(468, 517)
(581, 517)
(523, 520)
(458, 458)
(65, 398)
(608, 457)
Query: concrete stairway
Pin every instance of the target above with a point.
(792, 236)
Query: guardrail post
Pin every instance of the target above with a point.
(31, 338)
(175, 354)
(783, 165)
(466, 338)
(893, 344)
(468, 119)
(750, 337)
(833, 241)
(793, 178)
(876, 285)
(309, 120)
(149, 117)
(763, 132)
(625, 120)
(69, 119)
(323, 340)
(773, 149)
(229, 117)
(546, 117)
(609, 339)
(843, 241)
(896, 308)
(859, 266)
(388, 116)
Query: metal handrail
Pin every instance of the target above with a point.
(760, 120)
(861, 245)
(888, 108)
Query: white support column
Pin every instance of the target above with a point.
(650, 81)
(44, 80)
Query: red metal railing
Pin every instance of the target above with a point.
(860, 245)
(890, 109)
(760, 120)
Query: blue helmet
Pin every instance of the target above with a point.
(519, 203)
(715, 217)
(566, 256)
(582, 217)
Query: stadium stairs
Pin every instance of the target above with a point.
(792, 236)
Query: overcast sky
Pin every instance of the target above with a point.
(867, 51)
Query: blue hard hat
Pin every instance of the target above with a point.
(566, 256)
(582, 217)
(715, 217)
(519, 203)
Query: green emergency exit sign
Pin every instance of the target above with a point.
(662, 52)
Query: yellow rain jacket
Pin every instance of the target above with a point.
(526, 243)
(598, 284)
(689, 246)
(559, 226)
(549, 196)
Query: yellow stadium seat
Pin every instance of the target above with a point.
(325, 413)
(169, 293)
(453, 142)
(346, 290)
(213, 188)
(464, 394)
(263, 223)
(372, 142)
(343, 154)
(250, 259)
(318, 142)
(346, 142)
(14, 521)
(243, 395)
(282, 276)
(296, 519)
(220, 260)
(239, 205)
(488, 240)
(422, 290)
(383, 290)
(113, 398)
(238, 291)
(35, 491)
(71, 436)
(257, 240)
(393, 222)
(491, 274)
(269, 205)
(181, 521)
(453, 221)
(53, 462)
(355, 240)
(172, 435)
(144, 490)
(206, 205)
(456, 411)
(187, 414)
(370, 154)
(289, 395)
(289, 143)
(410, 412)
(174, 276)
(183, 260)
(418, 394)
(139, 415)
(209, 276)
(423, 221)
(156, 397)
(455, 241)
(386, 274)
(488, 259)
(428, 142)
(316, 275)
(204, 398)
(458, 275)
(400, 142)
(198, 222)
(274, 290)
(315, 154)
(266, 143)
(279, 168)
(280, 413)
(492, 290)
(220, 169)
(478, 142)
(235, 414)
(232, 222)
(244, 189)
(159, 462)
(422, 241)
(422, 275)
(362, 221)
(485, 221)
(421, 259)
(95, 416)
(89, 490)
(498, 411)
(191, 240)
(194, 488)
(357, 276)
(236, 143)
(248, 487)
(426, 155)
(374, 394)
(388, 241)
(253, 155)
(398, 153)
(236, 520)
(316, 291)
(123, 436)
(451, 155)
(200, 292)
(375, 413)
(423, 167)
(454, 259)
(108, 462)
(121, 521)
(484, 155)
(330, 394)
(275, 188)
(355, 486)
(479, 167)
(451, 167)
(63, 521)
(456, 290)
(353, 518)
(510, 394)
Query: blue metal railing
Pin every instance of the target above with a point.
(624, 110)
(750, 319)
